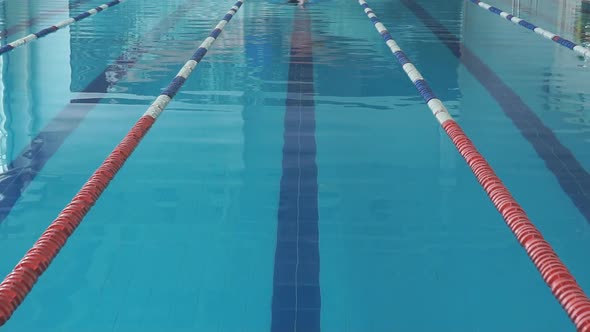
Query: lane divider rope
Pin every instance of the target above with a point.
(49, 30)
(581, 50)
(561, 282)
(27, 23)
(20, 281)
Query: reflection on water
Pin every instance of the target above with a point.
(400, 211)
(3, 131)
(583, 30)
(558, 72)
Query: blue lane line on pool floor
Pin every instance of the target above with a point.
(296, 287)
(25, 167)
(571, 175)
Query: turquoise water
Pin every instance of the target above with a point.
(185, 238)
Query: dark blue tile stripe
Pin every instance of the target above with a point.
(25, 167)
(296, 297)
(573, 178)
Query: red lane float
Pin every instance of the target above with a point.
(20, 281)
(562, 283)
(23, 277)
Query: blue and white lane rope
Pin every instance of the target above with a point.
(42, 33)
(556, 275)
(547, 34)
(19, 283)
(435, 105)
(162, 101)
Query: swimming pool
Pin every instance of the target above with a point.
(297, 181)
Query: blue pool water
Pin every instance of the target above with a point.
(297, 182)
